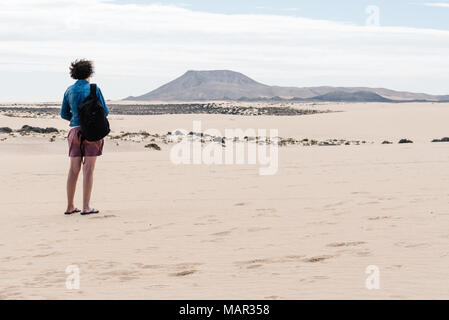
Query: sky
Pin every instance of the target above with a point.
(138, 45)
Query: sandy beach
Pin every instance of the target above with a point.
(169, 231)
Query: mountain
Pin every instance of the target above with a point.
(231, 85)
(358, 96)
(208, 85)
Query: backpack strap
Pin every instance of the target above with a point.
(80, 136)
(93, 90)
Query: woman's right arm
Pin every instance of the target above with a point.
(66, 113)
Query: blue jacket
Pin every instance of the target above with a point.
(73, 96)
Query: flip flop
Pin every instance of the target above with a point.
(92, 211)
(72, 212)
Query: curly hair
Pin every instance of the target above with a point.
(81, 69)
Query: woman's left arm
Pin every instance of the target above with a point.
(100, 96)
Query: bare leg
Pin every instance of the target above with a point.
(88, 181)
(72, 178)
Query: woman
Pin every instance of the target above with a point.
(80, 70)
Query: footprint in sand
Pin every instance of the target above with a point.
(104, 264)
(47, 255)
(240, 204)
(255, 229)
(212, 240)
(368, 203)
(411, 245)
(183, 273)
(223, 233)
(260, 262)
(363, 253)
(319, 258)
(266, 212)
(188, 265)
(156, 286)
(345, 244)
(379, 218)
(122, 275)
(305, 280)
(322, 222)
(359, 192)
(161, 226)
(148, 266)
(104, 217)
(255, 261)
(336, 204)
(394, 267)
(103, 236)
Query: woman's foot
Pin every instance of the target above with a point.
(72, 211)
(90, 211)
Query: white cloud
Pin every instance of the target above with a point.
(437, 4)
(158, 43)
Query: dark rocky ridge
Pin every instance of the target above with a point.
(159, 109)
(359, 96)
(173, 137)
(229, 85)
(208, 109)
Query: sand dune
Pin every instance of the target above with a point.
(225, 232)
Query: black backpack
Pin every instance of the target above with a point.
(93, 121)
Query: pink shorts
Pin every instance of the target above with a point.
(90, 148)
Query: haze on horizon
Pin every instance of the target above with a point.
(140, 45)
